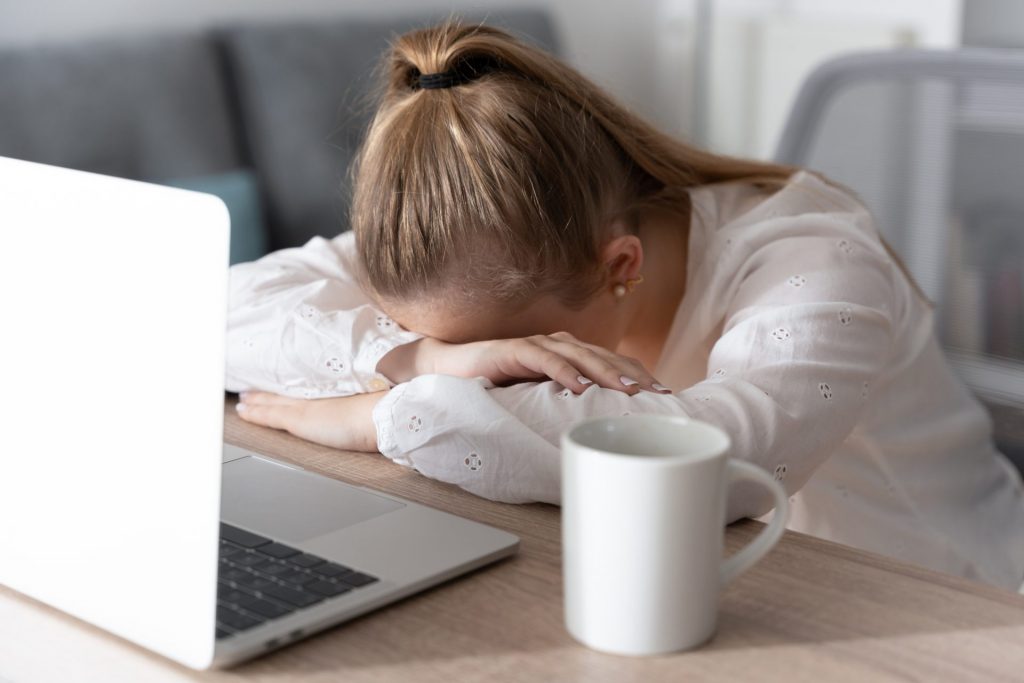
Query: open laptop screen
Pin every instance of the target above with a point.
(114, 296)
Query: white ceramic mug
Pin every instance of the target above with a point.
(643, 520)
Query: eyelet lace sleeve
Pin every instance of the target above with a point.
(300, 325)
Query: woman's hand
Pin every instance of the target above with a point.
(570, 362)
(345, 422)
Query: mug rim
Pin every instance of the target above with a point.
(568, 438)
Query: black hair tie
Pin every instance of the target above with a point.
(443, 79)
(464, 71)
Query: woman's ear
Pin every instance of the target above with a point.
(623, 257)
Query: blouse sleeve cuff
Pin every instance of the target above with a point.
(384, 422)
(364, 365)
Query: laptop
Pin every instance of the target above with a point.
(120, 503)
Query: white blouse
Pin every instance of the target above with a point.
(797, 334)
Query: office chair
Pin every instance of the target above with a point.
(933, 141)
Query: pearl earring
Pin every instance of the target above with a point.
(621, 289)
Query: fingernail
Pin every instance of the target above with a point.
(241, 406)
(583, 380)
(659, 387)
(628, 381)
(244, 395)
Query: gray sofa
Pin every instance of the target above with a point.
(283, 103)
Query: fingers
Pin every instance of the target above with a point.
(269, 410)
(606, 368)
(601, 370)
(565, 337)
(531, 359)
(276, 417)
(265, 398)
(633, 368)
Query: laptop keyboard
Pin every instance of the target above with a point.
(260, 579)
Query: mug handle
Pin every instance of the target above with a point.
(740, 470)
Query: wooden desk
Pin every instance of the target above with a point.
(811, 610)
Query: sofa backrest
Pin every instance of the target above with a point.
(147, 107)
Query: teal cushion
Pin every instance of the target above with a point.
(240, 192)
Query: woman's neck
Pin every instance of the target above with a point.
(665, 237)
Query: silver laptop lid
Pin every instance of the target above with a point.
(114, 297)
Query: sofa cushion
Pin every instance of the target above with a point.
(303, 98)
(148, 106)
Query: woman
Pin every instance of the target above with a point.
(511, 223)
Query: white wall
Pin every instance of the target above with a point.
(612, 43)
(761, 51)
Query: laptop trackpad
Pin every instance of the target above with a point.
(290, 504)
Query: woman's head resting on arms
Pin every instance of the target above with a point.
(521, 199)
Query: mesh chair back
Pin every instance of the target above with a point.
(933, 141)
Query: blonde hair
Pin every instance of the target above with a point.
(503, 186)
